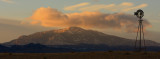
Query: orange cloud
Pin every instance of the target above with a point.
(50, 17)
(33, 22)
(126, 4)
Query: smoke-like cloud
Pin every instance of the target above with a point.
(95, 0)
(136, 7)
(7, 1)
(122, 7)
(50, 17)
(73, 7)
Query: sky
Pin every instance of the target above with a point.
(114, 17)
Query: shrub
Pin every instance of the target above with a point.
(72, 52)
(127, 53)
(10, 54)
(110, 51)
(145, 53)
(44, 57)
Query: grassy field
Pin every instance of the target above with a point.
(83, 55)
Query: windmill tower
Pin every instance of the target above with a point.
(140, 42)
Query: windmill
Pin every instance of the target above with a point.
(140, 44)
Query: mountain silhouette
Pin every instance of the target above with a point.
(74, 36)
(33, 48)
(38, 48)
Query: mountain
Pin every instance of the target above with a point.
(34, 48)
(3, 48)
(74, 36)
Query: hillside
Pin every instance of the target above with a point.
(74, 36)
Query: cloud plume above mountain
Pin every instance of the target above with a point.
(50, 17)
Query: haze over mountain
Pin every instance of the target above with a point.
(74, 36)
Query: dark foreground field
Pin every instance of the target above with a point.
(83, 55)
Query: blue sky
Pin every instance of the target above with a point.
(24, 8)
(20, 10)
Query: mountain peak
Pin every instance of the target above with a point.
(73, 28)
(70, 29)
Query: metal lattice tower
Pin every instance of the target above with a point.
(140, 44)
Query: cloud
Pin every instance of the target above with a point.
(123, 7)
(7, 1)
(96, 7)
(136, 7)
(76, 6)
(49, 17)
(96, 0)
(127, 4)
